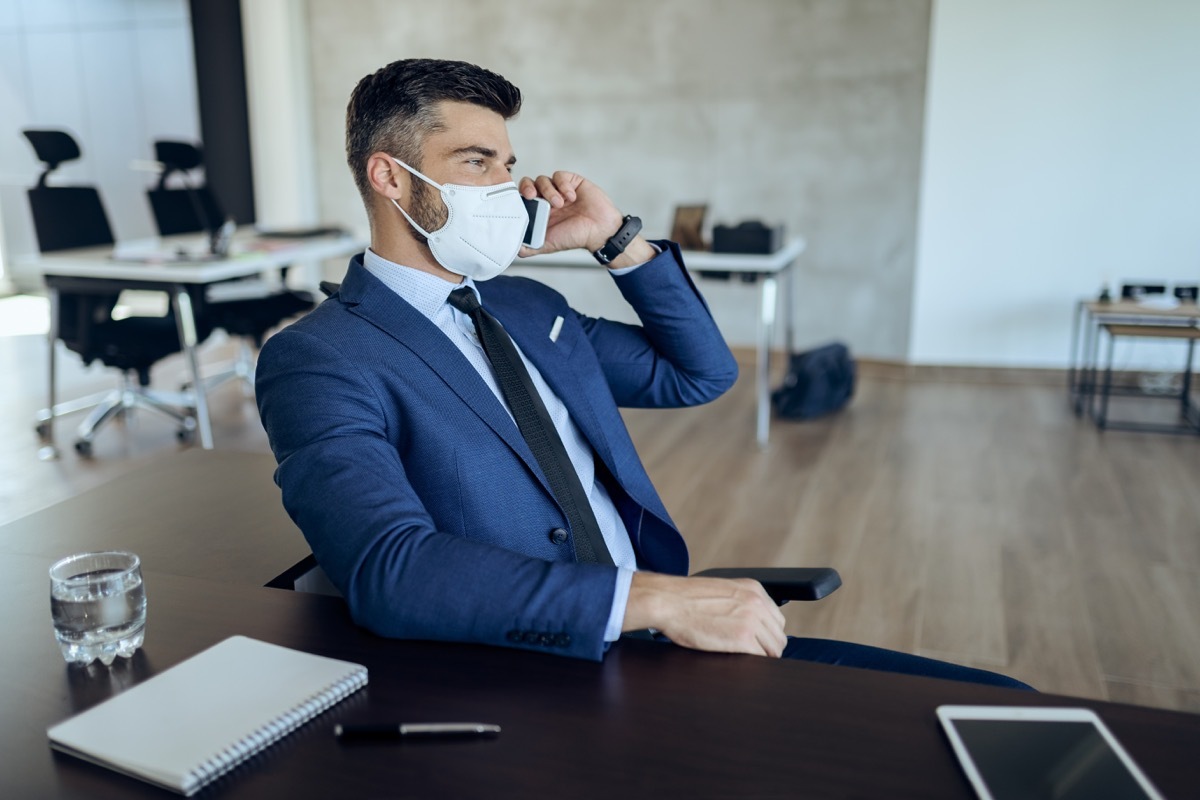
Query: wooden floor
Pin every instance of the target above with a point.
(977, 522)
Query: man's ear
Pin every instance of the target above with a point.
(386, 177)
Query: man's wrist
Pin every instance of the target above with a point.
(616, 244)
(643, 607)
(638, 252)
(603, 232)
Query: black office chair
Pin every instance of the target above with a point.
(245, 308)
(67, 217)
(782, 584)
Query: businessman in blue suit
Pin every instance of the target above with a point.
(408, 454)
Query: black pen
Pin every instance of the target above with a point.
(384, 731)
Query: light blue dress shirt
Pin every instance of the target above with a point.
(428, 294)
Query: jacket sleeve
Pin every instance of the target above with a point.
(677, 357)
(345, 486)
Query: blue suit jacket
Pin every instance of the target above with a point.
(415, 489)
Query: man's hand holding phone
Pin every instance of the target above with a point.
(580, 215)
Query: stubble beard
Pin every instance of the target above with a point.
(428, 211)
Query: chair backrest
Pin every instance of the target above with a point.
(64, 217)
(190, 209)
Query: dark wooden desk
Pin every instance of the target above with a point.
(652, 720)
(211, 514)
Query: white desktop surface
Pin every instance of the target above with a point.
(765, 263)
(248, 256)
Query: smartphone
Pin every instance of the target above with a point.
(539, 214)
(1067, 753)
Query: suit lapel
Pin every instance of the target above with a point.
(530, 328)
(382, 308)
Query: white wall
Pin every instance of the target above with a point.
(117, 74)
(1062, 149)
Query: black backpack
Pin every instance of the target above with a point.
(818, 382)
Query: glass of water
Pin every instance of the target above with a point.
(98, 604)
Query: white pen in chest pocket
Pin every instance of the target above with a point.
(556, 329)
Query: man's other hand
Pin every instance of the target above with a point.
(730, 616)
(581, 215)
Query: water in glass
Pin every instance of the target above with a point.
(98, 604)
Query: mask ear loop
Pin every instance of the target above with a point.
(411, 221)
(431, 182)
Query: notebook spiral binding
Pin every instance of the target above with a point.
(257, 741)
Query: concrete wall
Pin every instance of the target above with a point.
(1062, 152)
(805, 113)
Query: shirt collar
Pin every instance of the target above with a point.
(424, 292)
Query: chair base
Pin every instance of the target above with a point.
(120, 402)
(240, 369)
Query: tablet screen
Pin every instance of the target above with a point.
(1026, 759)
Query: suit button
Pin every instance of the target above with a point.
(546, 640)
(563, 640)
(514, 636)
(558, 536)
(530, 637)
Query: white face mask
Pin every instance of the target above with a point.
(484, 229)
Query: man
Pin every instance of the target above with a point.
(449, 441)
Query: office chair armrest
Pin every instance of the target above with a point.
(785, 583)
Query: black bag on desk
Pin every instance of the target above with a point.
(818, 382)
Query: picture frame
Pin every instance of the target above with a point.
(686, 229)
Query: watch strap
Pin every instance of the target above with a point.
(631, 226)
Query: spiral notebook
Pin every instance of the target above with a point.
(190, 724)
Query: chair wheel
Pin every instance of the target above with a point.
(42, 429)
(84, 448)
(186, 435)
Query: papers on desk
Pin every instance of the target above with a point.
(1161, 302)
(300, 233)
(191, 724)
(151, 251)
(154, 251)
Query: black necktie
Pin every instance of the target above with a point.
(536, 426)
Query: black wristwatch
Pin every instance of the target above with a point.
(630, 227)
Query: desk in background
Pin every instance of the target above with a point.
(94, 268)
(651, 720)
(768, 268)
(1091, 319)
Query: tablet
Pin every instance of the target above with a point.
(1065, 753)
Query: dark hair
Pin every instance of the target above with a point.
(392, 110)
